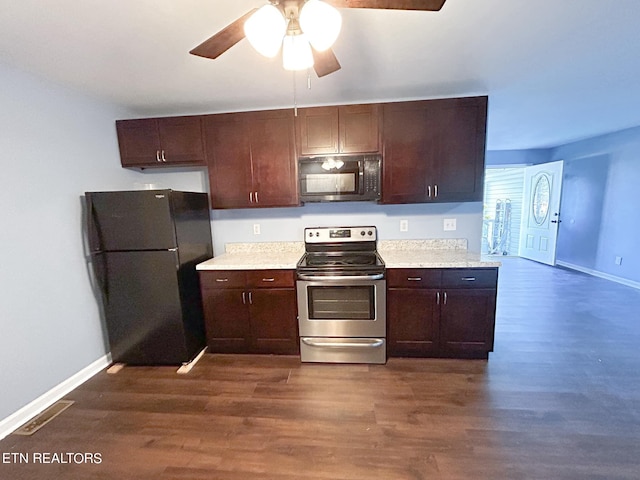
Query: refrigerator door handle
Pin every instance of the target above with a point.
(177, 257)
(94, 232)
(101, 271)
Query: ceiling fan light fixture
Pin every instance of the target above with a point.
(321, 22)
(265, 29)
(296, 52)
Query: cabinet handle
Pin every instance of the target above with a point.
(158, 156)
(437, 298)
(257, 201)
(250, 299)
(414, 279)
(222, 279)
(244, 298)
(468, 279)
(445, 298)
(268, 279)
(435, 189)
(250, 197)
(163, 159)
(429, 189)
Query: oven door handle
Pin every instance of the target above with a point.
(363, 343)
(319, 278)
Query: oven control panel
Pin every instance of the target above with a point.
(340, 234)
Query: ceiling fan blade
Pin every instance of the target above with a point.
(431, 5)
(224, 39)
(325, 62)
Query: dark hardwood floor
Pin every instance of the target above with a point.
(558, 399)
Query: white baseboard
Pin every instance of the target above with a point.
(596, 273)
(19, 418)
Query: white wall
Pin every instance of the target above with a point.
(55, 145)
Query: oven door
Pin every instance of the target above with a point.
(342, 306)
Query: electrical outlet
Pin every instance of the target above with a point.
(256, 229)
(404, 225)
(449, 224)
(618, 260)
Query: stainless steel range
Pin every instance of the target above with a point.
(341, 290)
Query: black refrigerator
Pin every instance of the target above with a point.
(145, 246)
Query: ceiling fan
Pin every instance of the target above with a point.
(303, 29)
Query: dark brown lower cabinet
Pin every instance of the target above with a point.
(250, 311)
(441, 312)
(413, 319)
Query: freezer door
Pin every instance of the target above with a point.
(133, 220)
(143, 308)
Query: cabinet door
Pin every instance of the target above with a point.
(318, 130)
(460, 154)
(229, 161)
(274, 321)
(434, 150)
(139, 142)
(161, 142)
(409, 150)
(413, 318)
(273, 160)
(359, 129)
(226, 317)
(343, 129)
(467, 319)
(181, 139)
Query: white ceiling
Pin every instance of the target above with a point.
(555, 70)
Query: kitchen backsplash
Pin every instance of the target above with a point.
(425, 221)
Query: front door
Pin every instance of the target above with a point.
(541, 212)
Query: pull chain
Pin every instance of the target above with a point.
(295, 96)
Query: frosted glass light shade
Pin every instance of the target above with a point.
(321, 23)
(296, 52)
(265, 29)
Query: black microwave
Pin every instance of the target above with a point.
(340, 178)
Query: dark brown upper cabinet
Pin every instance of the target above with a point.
(251, 159)
(339, 129)
(161, 142)
(433, 150)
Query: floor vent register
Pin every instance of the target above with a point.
(43, 418)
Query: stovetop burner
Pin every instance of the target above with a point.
(341, 259)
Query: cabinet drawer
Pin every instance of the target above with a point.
(270, 278)
(222, 278)
(470, 278)
(414, 277)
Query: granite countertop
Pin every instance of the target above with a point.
(434, 253)
(256, 256)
